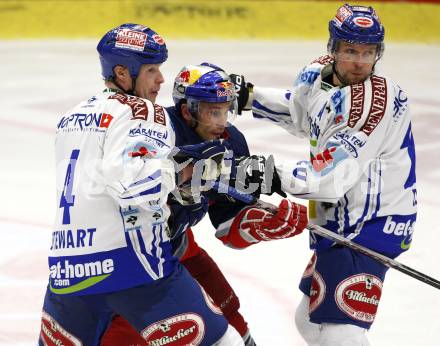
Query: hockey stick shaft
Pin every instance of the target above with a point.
(323, 232)
(389, 262)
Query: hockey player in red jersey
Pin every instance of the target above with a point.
(203, 96)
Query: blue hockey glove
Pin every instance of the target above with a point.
(184, 216)
(214, 150)
(207, 158)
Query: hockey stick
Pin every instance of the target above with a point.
(389, 262)
(323, 232)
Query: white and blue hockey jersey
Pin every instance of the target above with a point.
(360, 177)
(113, 179)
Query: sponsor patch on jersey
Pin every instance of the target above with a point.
(159, 115)
(308, 76)
(404, 229)
(53, 334)
(67, 277)
(92, 122)
(399, 228)
(363, 22)
(323, 159)
(183, 329)
(350, 142)
(378, 104)
(143, 151)
(310, 268)
(317, 291)
(357, 103)
(160, 134)
(129, 39)
(400, 104)
(358, 296)
(138, 106)
(338, 102)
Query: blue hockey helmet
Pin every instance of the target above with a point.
(130, 45)
(358, 25)
(204, 83)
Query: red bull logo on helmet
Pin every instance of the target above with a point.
(229, 92)
(189, 76)
(184, 76)
(228, 89)
(226, 85)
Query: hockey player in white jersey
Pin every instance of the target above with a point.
(111, 251)
(360, 177)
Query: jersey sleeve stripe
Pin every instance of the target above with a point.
(264, 109)
(148, 179)
(151, 191)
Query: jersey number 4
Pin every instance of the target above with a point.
(67, 199)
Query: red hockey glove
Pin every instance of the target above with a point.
(254, 224)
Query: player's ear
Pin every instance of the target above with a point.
(121, 73)
(185, 112)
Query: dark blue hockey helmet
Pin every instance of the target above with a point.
(130, 45)
(204, 83)
(358, 25)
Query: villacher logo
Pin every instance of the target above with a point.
(317, 291)
(358, 296)
(53, 334)
(183, 329)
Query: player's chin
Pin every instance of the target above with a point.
(358, 78)
(152, 96)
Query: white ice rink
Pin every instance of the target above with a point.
(42, 79)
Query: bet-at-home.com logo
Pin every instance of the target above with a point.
(63, 273)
